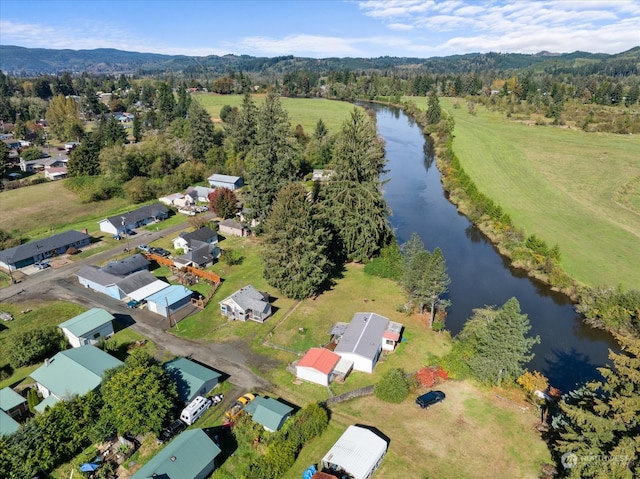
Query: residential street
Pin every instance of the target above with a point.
(232, 359)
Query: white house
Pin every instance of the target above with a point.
(88, 327)
(176, 199)
(246, 303)
(195, 239)
(200, 194)
(126, 222)
(321, 366)
(362, 341)
(358, 452)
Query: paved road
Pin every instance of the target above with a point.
(229, 358)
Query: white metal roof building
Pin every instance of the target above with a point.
(358, 452)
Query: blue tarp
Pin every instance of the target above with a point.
(309, 472)
(89, 467)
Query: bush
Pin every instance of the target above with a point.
(393, 387)
(388, 264)
(35, 345)
(231, 257)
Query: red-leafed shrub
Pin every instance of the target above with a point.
(428, 376)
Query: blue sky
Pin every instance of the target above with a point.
(323, 28)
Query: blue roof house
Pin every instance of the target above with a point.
(88, 327)
(192, 378)
(169, 300)
(191, 455)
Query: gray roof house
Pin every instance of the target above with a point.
(247, 303)
(200, 247)
(37, 250)
(362, 340)
(200, 194)
(126, 222)
(268, 412)
(126, 266)
(191, 455)
(232, 227)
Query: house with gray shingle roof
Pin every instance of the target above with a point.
(247, 304)
(126, 222)
(88, 327)
(191, 455)
(191, 378)
(200, 194)
(268, 412)
(37, 250)
(200, 247)
(72, 372)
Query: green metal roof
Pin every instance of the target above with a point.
(193, 374)
(75, 371)
(269, 412)
(87, 321)
(47, 402)
(193, 454)
(8, 425)
(10, 399)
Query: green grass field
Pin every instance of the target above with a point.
(579, 190)
(303, 111)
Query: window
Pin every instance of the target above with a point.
(96, 336)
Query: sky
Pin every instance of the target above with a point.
(323, 28)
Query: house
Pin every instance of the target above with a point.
(88, 327)
(169, 300)
(363, 339)
(268, 412)
(195, 239)
(225, 181)
(140, 285)
(177, 199)
(232, 228)
(34, 251)
(191, 378)
(126, 222)
(94, 278)
(72, 372)
(126, 266)
(357, 453)
(321, 366)
(55, 173)
(200, 257)
(12, 404)
(200, 194)
(191, 455)
(119, 279)
(247, 303)
(44, 163)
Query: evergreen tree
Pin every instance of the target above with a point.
(137, 128)
(84, 160)
(183, 103)
(166, 105)
(242, 130)
(599, 424)
(273, 159)
(497, 341)
(434, 112)
(200, 135)
(296, 259)
(113, 133)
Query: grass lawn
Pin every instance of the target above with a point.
(579, 190)
(302, 111)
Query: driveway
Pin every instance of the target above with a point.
(234, 359)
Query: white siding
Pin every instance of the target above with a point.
(312, 375)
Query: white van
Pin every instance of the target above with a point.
(194, 410)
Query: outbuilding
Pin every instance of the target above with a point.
(169, 300)
(192, 379)
(12, 403)
(322, 366)
(358, 453)
(225, 181)
(268, 412)
(88, 327)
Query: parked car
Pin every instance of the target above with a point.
(144, 247)
(429, 399)
(42, 265)
(160, 252)
(175, 428)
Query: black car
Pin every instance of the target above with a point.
(429, 399)
(160, 252)
(175, 428)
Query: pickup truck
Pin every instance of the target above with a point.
(238, 407)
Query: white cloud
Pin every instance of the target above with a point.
(301, 45)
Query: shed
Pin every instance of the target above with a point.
(362, 340)
(225, 181)
(191, 378)
(316, 366)
(233, 228)
(357, 452)
(8, 425)
(88, 327)
(268, 412)
(169, 300)
(12, 403)
(191, 455)
(72, 372)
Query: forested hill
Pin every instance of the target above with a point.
(20, 61)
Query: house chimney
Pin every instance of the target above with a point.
(47, 361)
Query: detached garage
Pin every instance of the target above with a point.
(169, 300)
(358, 453)
(88, 327)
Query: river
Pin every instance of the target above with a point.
(569, 351)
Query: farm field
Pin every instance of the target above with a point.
(579, 190)
(303, 111)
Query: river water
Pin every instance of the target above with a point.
(569, 351)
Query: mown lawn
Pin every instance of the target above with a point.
(302, 111)
(579, 190)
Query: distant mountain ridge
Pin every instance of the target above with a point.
(21, 61)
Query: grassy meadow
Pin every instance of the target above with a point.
(302, 111)
(579, 190)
